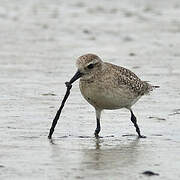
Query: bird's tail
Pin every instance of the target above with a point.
(154, 87)
(148, 87)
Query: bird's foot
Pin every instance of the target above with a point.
(140, 136)
(96, 134)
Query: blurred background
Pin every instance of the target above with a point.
(40, 41)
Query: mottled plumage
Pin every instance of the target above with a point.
(108, 86)
(117, 85)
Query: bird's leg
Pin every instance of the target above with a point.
(134, 121)
(98, 126)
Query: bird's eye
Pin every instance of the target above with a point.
(90, 66)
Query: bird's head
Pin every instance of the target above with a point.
(87, 65)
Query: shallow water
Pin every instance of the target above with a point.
(39, 43)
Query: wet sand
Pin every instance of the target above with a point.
(40, 41)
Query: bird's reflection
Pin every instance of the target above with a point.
(96, 155)
(97, 143)
(110, 155)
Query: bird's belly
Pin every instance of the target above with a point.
(106, 98)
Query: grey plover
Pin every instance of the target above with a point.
(108, 86)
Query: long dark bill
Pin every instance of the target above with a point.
(69, 86)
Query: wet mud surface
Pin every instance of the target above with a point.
(40, 41)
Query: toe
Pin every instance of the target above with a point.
(142, 136)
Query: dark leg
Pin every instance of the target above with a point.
(98, 126)
(134, 121)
